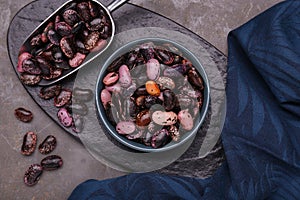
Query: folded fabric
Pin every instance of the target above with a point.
(261, 135)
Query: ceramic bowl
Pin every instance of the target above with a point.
(132, 144)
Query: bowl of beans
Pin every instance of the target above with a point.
(152, 95)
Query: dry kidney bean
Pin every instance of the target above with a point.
(152, 95)
(23, 114)
(160, 138)
(63, 98)
(50, 92)
(48, 145)
(125, 127)
(33, 174)
(64, 117)
(30, 79)
(29, 143)
(51, 162)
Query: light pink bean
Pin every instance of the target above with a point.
(125, 127)
(125, 77)
(77, 60)
(105, 97)
(185, 119)
(114, 88)
(153, 69)
(110, 78)
(164, 118)
(64, 117)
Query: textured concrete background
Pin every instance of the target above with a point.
(210, 19)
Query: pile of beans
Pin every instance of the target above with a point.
(152, 94)
(64, 41)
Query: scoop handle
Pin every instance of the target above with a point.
(115, 4)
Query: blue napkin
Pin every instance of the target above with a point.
(261, 136)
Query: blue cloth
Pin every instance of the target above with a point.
(261, 136)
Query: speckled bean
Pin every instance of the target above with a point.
(153, 69)
(164, 118)
(125, 127)
(33, 174)
(185, 119)
(48, 145)
(64, 117)
(29, 143)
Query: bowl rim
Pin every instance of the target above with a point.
(129, 143)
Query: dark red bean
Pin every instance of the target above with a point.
(160, 138)
(31, 66)
(63, 28)
(51, 162)
(54, 73)
(95, 24)
(116, 64)
(63, 98)
(23, 114)
(164, 56)
(48, 145)
(78, 27)
(195, 79)
(36, 40)
(33, 174)
(84, 11)
(54, 37)
(71, 17)
(29, 143)
(30, 79)
(169, 99)
(152, 100)
(49, 92)
(44, 65)
(94, 11)
(141, 91)
(79, 45)
(67, 47)
(44, 37)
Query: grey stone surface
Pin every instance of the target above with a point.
(210, 19)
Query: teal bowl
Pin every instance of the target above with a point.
(111, 130)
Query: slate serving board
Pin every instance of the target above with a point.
(128, 17)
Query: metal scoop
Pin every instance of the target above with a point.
(28, 61)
